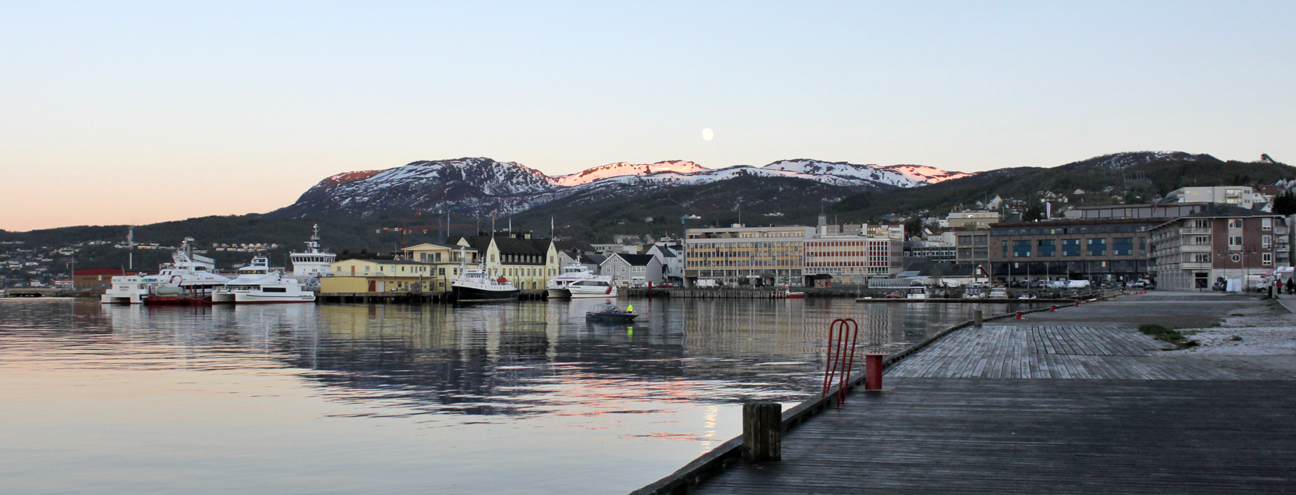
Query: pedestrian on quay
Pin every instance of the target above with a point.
(1291, 286)
(1278, 283)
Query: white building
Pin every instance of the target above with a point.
(632, 270)
(1243, 196)
(672, 260)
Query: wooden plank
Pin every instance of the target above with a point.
(957, 436)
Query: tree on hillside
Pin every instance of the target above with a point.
(1285, 204)
(913, 227)
(1034, 214)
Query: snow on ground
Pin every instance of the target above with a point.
(1262, 333)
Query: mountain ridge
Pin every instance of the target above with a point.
(476, 183)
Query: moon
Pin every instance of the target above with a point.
(707, 134)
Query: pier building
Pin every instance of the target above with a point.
(361, 276)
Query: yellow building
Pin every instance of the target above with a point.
(527, 263)
(421, 268)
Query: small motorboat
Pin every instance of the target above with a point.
(609, 313)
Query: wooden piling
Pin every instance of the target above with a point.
(762, 431)
(977, 317)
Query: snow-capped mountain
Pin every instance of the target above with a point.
(508, 187)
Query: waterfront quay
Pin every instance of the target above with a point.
(1073, 401)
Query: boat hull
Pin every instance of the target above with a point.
(248, 298)
(558, 293)
(610, 291)
(178, 301)
(120, 299)
(610, 318)
(470, 294)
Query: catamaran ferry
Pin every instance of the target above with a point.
(258, 284)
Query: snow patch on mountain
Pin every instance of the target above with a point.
(925, 174)
(621, 169)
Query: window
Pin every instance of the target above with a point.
(1070, 247)
(1005, 248)
(1266, 258)
(1021, 249)
(1047, 248)
(1201, 258)
(1235, 241)
(1201, 240)
(1235, 223)
(1123, 246)
(1097, 247)
(1266, 241)
(1266, 224)
(1201, 224)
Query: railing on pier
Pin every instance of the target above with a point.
(843, 334)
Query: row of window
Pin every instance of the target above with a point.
(1265, 258)
(1046, 248)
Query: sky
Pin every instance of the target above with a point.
(139, 112)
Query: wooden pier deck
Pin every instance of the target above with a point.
(1047, 405)
(933, 435)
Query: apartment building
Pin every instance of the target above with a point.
(972, 247)
(1220, 242)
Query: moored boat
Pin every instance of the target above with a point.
(258, 284)
(309, 266)
(576, 282)
(188, 280)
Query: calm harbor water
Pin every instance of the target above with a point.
(504, 398)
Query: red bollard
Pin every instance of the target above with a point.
(1019, 315)
(1053, 309)
(873, 371)
(1077, 303)
(1104, 298)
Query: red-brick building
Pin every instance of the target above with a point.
(96, 279)
(1220, 242)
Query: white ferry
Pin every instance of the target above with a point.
(258, 284)
(576, 281)
(309, 266)
(188, 280)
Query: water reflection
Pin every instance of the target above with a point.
(504, 359)
(630, 402)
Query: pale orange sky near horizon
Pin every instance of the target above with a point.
(137, 113)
